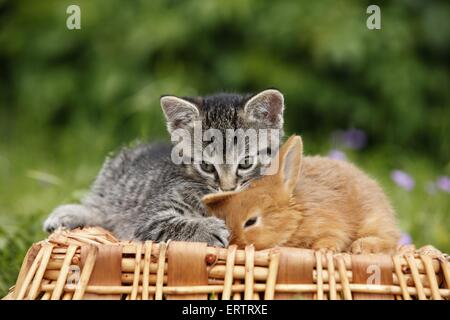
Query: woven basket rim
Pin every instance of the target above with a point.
(176, 270)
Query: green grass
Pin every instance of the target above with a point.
(36, 179)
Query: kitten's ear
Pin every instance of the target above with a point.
(266, 107)
(179, 112)
(290, 162)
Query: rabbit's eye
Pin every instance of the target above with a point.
(207, 167)
(250, 222)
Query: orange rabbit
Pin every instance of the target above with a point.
(311, 202)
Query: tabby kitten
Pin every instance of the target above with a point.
(142, 194)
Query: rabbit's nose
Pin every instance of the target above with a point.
(233, 239)
(238, 242)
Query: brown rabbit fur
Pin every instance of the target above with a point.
(310, 202)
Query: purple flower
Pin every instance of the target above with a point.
(352, 138)
(337, 155)
(403, 180)
(405, 239)
(443, 183)
(355, 139)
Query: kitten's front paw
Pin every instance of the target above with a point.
(213, 231)
(68, 216)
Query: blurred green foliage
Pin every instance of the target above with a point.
(335, 72)
(67, 98)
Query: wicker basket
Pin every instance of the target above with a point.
(92, 264)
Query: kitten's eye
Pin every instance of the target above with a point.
(250, 222)
(246, 163)
(207, 167)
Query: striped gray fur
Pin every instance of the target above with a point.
(141, 194)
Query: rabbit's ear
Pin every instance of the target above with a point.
(290, 162)
(213, 199)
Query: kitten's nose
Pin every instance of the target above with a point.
(228, 188)
(228, 185)
(228, 182)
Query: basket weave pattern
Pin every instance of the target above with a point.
(92, 264)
